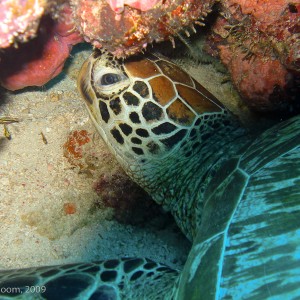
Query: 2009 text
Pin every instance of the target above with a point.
(33, 289)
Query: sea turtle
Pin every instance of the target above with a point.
(235, 195)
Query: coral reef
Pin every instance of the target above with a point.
(36, 62)
(134, 29)
(258, 41)
(123, 27)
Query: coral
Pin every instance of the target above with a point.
(132, 205)
(258, 41)
(132, 30)
(252, 38)
(143, 5)
(257, 80)
(19, 20)
(74, 147)
(70, 208)
(36, 62)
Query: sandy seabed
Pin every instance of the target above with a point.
(37, 181)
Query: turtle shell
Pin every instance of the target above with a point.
(248, 242)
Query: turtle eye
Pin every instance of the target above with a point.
(108, 81)
(110, 78)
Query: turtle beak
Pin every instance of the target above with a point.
(84, 82)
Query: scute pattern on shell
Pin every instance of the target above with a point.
(160, 100)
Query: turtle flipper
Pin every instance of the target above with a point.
(127, 278)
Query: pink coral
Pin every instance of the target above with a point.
(144, 5)
(19, 20)
(134, 29)
(267, 11)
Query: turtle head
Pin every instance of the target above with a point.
(147, 109)
(164, 128)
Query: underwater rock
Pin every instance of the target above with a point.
(36, 62)
(130, 32)
(258, 41)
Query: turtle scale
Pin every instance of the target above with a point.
(175, 73)
(163, 90)
(236, 196)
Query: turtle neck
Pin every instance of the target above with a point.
(179, 182)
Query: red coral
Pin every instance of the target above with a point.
(258, 80)
(258, 40)
(73, 147)
(70, 208)
(41, 59)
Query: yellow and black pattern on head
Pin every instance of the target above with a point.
(147, 106)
